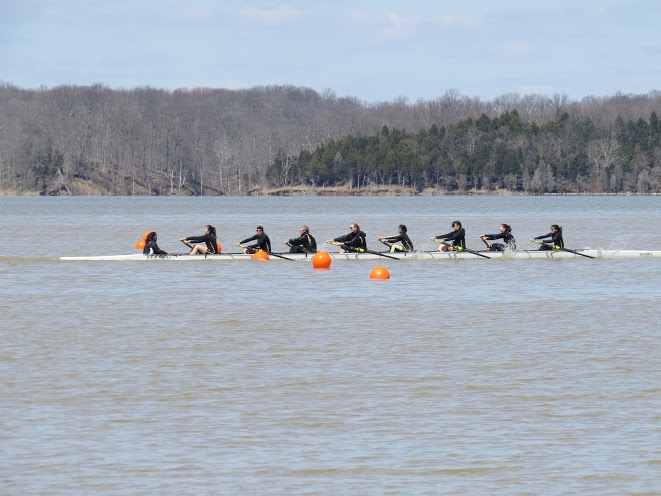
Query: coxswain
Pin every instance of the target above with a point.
(151, 246)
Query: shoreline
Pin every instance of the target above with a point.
(346, 191)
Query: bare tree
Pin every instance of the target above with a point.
(217, 140)
(604, 153)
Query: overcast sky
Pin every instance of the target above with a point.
(375, 50)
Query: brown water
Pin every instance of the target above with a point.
(452, 377)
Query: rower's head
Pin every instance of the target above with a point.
(456, 225)
(209, 229)
(402, 229)
(556, 228)
(260, 230)
(150, 237)
(304, 229)
(505, 228)
(354, 227)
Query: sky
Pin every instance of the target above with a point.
(373, 50)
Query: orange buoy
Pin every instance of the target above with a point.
(379, 273)
(260, 255)
(141, 244)
(321, 260)
(219, 249)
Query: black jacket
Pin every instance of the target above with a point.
(152, 248)
(556, 239)
(457, 237)
(262, 242)
(354, 241)
(305, 243)
(507, 237)
(208, 239)
(402, 238)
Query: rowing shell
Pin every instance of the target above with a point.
(417, 255)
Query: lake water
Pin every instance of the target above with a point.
(453, 377)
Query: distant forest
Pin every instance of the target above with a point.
(92, 140)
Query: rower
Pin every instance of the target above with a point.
(207, 244)
(457, 236)
(354, 241)
(555, 242)
(505, 234)
(262, 242)
(402, 237)
(305, 243)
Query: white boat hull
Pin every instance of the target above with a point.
(420, 255)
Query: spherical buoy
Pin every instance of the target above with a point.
(260, 255)
(379, 273)
(140, 244)
(321, 260)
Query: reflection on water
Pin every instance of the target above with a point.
(462, 377)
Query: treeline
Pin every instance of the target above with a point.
(82, 140)
(563, 155)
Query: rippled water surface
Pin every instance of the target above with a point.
(453, 377)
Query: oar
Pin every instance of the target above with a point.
(563, 249)
(271, 253)
(281, 256)
(576, 253)
(459, 248)
(382, 239)
(240, 246)
(485, 242)
(363, 250)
